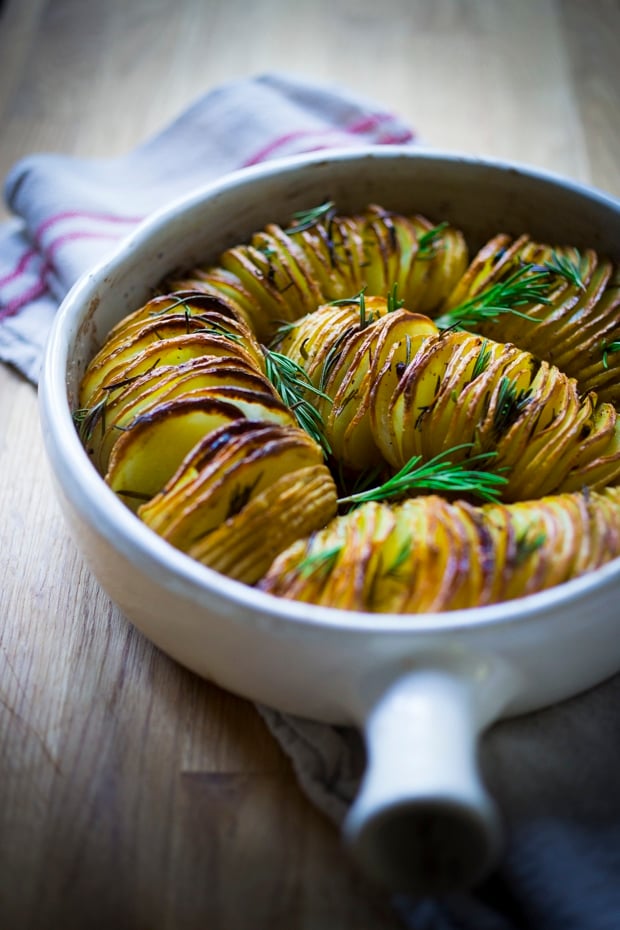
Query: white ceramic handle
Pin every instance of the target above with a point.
(422, 821)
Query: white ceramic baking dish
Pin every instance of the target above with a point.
(421, 687)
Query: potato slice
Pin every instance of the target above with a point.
(117, 354)
(395, 335)
(434, 269)
(148, 454)
(334, 249)
(212, 309)
(198, 377)
(225, 286)
(311, 340)
(268, 274)
(244, 545)
(175, 350)
(226, 474)
(304, 294)
(383, 248)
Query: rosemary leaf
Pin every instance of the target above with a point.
(524, 286)
(566, 267)
(322, 560)
(86, 419)
(401, 557)
(428, 241)
(292, 383)
(482, 362)
(438, 474)
(509, 406)
(613, 346)
(306, 219)
(393, 300)
(526, 545)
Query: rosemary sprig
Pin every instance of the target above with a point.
(482, 362)
(510, 404)
(393, 300)
(524, 286)
(526, 545)
(613, 346)
(319, 561)
(86, 419)
(427, 243)
(365, 318)
(306, 219)
(401, 557)
(566, 267)
(438, 474)
(292, 382)
(218, 329)
(212, 327)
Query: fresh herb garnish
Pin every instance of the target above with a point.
(438, 474)
(322, 560)
(566, 267)
(291, 382)
(523, 286)
(428, 241)
(610, 347)
(509, 406)
(306, 219)
(526, 545)
(86, 419)
(211, 326)
(401, 557)
(393, 300)
(482, 361)
(365, 318)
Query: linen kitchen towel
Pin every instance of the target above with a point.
(70, 212)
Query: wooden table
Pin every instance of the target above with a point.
(134, 794)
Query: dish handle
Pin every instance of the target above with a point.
(423, 822)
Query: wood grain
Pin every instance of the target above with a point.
(135, 795)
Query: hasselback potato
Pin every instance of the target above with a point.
(348, 410)
(426, 554)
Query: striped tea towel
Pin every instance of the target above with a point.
(70, 212)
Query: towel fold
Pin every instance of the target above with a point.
(555, 774)
(74, 211)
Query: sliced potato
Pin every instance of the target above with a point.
(148, 454)
(246, 543)
(198, 377)
(226, 471)
(428, 555)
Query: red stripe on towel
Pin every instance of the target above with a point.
(83, 215)
(366, 124)
(14, 306)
